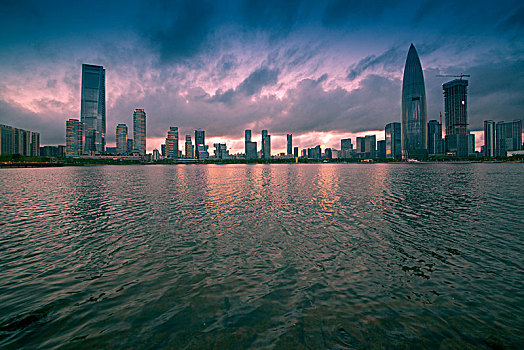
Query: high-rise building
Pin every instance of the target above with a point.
(434, 137)
(121, 139)
(74, 137)
(345, 148)
(295, 152)
(139, 131)
(6, 139)
(156, 154)
(130, 146)
(200, 140)
(381, 149)
(266, 145)
(414, 110)
(189, 148)
(393, 140)
(35, 144)
(489, 139)
(456, 116)
(93, 108)
(509, 137)
(172, 143)
(250, 147)
(289, 144)
(370, 142)
(221, 151)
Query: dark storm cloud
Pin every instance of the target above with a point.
(391, 59)
(257, 80)
(514, 21)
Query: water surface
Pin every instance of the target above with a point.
(262, 256)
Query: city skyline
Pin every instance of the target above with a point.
(312, 70)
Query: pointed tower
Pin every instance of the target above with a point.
(414, 109)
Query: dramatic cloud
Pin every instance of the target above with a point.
(314, 69)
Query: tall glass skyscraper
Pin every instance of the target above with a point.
(121, 139)
(414, 109)
(200, 143)
(266, 145)
(434, 137)
(289, 144)
(139, 132)
(172, 143)
(93, 108)
(456, 116)
(250, 147)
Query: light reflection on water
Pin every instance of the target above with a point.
(237, 256)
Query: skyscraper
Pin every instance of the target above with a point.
(289, 144)
(130, 145)
(414, 110)
(489, 139)
(172, 143)
(266, 145)
(139, 132)
(190, 150)
(93, 108)
(35, 144)
(74, 137)
(509, 137)
(200, 142)
(381, 149)
(221, 151)
(393, 140)
(456, 116)
(345, 148)
(434, 137)
(250, 147)
(121, 139)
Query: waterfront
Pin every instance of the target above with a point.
(282, 256)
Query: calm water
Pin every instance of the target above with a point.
(263, 256)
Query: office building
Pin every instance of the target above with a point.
(366, 147)
(156, 155)
(93, 108)
(201, 152)
(189, 148)
(74, 137)
(121, 139)
(434, 138)
(489, 139)
(456, 116)
(414, 109)
(221, 151)
(250, 147)
(295, 152)
(200, 142)
(508, 137)
(328, 154)
(289, 144)
(19, 141)
(139, 132)
(381, 149)
(345, 148)
(172, 143)
(393, 137)
(266, 145)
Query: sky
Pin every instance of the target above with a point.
(321, 70)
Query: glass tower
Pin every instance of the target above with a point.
(393, 141)
(414, 109)
(74, 137)
(289, 144)
(93, 108)
(139, 132)
(172, 143)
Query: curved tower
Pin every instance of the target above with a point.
(414, 110)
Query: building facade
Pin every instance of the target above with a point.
(508, 137)
(19, 141)
(139, 132)
(74, 138)
(266, 145)
(289, 144)
(456, 116)
(434, 138)
(172, 143)
(121, 139)
(221, 151)
(414, 108)
(393, 139)
(189, 148)
(489, 139)
(200, 142)
(93, 108)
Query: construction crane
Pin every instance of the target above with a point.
(453, 75)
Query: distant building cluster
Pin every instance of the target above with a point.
(414, 137)
(19, 141)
